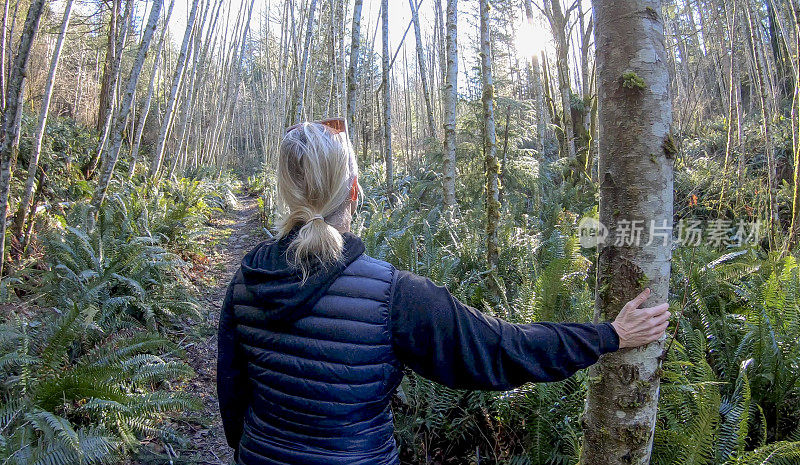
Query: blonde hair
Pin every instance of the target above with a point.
(315, 173)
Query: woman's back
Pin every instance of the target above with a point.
(319, 378)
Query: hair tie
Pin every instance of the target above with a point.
(316, 217)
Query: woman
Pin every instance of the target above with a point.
(313, 333)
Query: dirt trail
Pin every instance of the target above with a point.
(203, 428)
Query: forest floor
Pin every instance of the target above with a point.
(233, 235)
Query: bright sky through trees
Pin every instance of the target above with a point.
(530, 39)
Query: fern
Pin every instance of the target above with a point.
(85, 406)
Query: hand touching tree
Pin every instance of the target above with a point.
(640, 326)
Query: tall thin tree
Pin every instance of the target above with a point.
(177, 79)
(3, 51)
(766, 104)
(108, 81)
(423, 72)
(125, 107)
(12, 116)
(301, 82)
(33, 161)
(636, 198)
(106, 120)
(145, 111)
(387, 102)
(558, 19)
(450, 98)
(352, 68)
(794, 228)
(490, 150)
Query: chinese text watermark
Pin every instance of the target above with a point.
(686, 232)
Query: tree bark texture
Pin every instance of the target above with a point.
(125, 107)
(352, 69)
(11, 117)
(33, 162)
(489, 140)
(450, 98)
(177, 79)
(387, 102)
(636, 191)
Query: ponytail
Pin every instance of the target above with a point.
(315, 172)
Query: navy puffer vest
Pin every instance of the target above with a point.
(321, 385)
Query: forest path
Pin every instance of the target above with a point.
(203, 428)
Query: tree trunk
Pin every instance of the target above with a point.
(586, 37)
(108, 114)
(188, 100)
(586, 136)
(9, 63)
(352, 70)
(4, 46)
(450, 98)
(301, 83)
(177, 78)
(538, 90)
(794, 229)
(125, 107)
(489, 148)
(423, 73)
(137, 140)
(33, 162)
(387, 103)
(342, 18)
(440, 40)
(635, 174)
(729, 120)
(107, 86)
(558, 27)
(766, 125)
(12, 116)
(26, 236)
(548, 96)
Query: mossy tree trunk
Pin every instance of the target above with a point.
(558, 19)
(387, 99)
(33, 161)
(11, 118)
(548, 98)
(423, 72)
(636, 190)
(794, 231)
(449, 102)
(4, 46)
(125, 107)
(489, 147)
(767, 105)
(352, 70)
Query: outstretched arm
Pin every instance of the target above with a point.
(458, 346)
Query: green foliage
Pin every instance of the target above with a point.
(435, 421)
(545, 420)
(88, 372)
(633, 81)
(73, 393)
(117, 267)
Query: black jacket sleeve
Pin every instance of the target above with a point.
(232, 387)
(456, 345)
